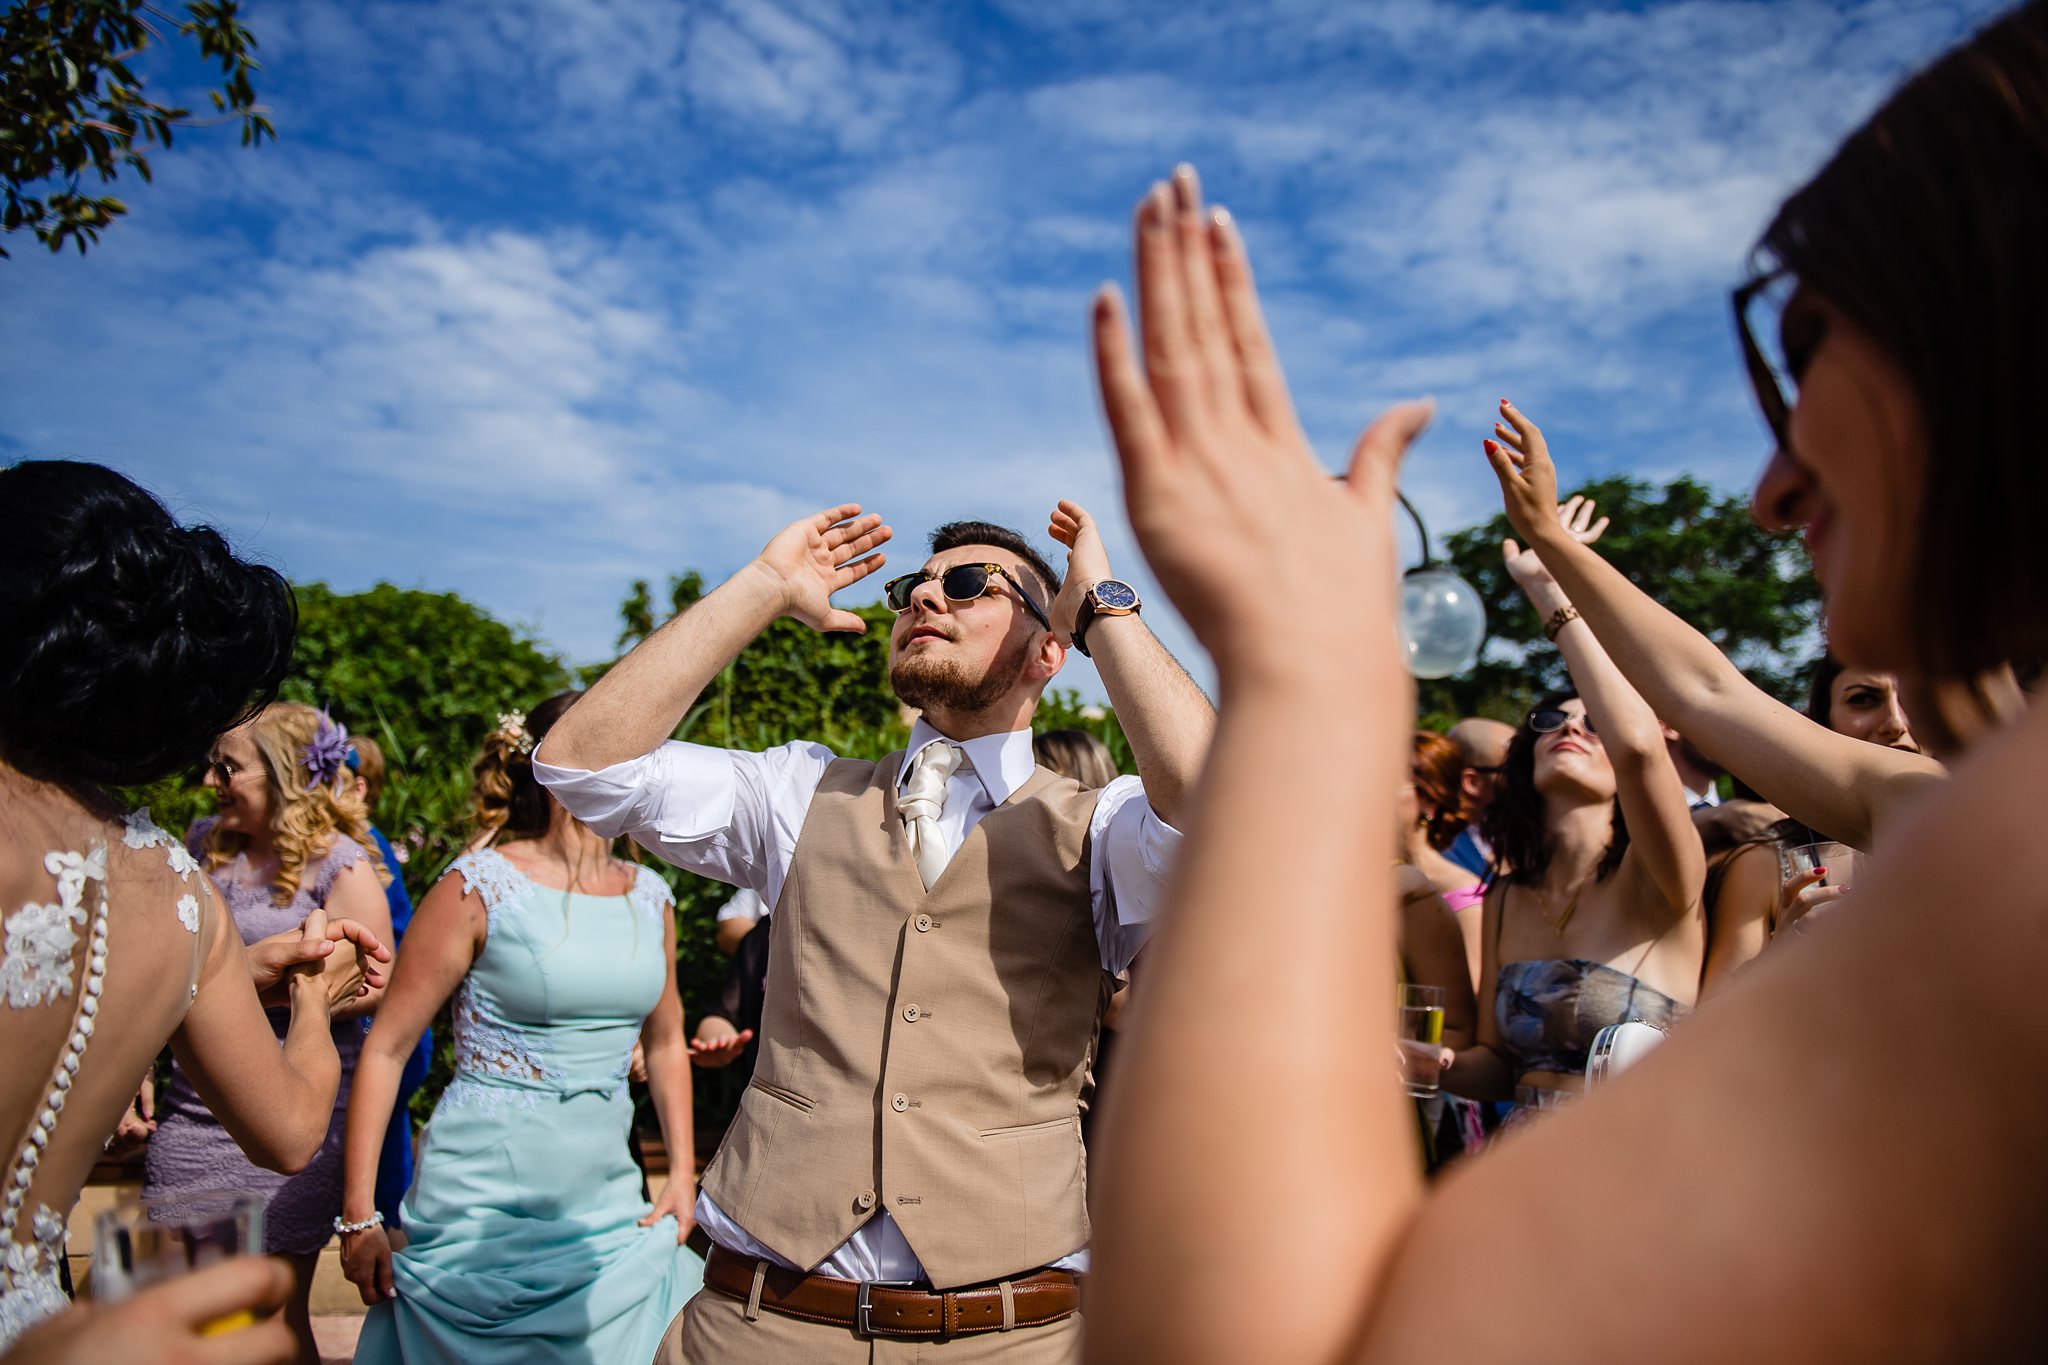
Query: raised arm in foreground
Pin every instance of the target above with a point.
(1841, 786)
(639, 703)
(1226, 498)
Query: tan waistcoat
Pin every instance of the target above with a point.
(924, 1051)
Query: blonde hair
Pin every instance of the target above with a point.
(305, 816)
(1076, 754)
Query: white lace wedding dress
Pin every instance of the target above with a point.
(94, 911)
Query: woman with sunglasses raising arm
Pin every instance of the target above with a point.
(1830, 781)
(1594, 917)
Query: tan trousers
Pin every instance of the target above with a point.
(713, 1329)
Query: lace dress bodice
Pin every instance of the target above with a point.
(545, 1010)
(54, 977)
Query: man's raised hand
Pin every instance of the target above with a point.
(1087, 564)
(811, 559)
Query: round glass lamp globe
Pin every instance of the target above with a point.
(1443, 623)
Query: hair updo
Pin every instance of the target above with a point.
(507, 797)
(127, 642)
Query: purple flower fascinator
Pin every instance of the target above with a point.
(329, 751)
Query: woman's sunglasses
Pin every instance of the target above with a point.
(961, 583)
(1759, 310)
(1550, 722)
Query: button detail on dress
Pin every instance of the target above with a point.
(924, 924)
(912, 1014)
(865, 1200)
(899, 1102)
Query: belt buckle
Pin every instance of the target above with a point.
(863, 1310)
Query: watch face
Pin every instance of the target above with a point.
(1112, 593)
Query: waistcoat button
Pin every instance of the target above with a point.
(924, 924)
(865, 1200)
(899, 1102)
(912, 1013)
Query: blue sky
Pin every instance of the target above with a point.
(536, 297)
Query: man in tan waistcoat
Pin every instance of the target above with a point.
(905, 1174)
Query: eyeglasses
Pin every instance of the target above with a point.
(961, 583)
(223, 769)
(1759, 322)
(1548, 722)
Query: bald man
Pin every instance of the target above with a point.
(1483, 750)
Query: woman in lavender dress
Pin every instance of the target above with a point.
(291, 838)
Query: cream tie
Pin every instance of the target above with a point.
(924, 797)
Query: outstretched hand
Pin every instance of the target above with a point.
(1087, 564)
(720, 1050)
(1575, 519)
(1228, 501)
(1528, 480)
(811, 559)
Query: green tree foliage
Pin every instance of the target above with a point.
(426, 675)
(1697, 552)
(71, 102)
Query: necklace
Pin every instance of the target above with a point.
(1557, 925)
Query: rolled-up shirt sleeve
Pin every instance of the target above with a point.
(1133, 850)
(724, 813)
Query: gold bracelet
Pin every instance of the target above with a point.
(1559, 619)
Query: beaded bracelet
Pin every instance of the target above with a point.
(363, 1226)
(1559, 619)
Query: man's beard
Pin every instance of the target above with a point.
(928, 684)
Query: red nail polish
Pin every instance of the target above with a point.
(1823, 871)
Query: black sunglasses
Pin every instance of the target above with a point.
(1550, 721)
(961, 583)
(1773, 381)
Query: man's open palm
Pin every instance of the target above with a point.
(813, 558)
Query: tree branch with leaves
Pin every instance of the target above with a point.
(72, 105)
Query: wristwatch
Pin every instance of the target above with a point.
(1109, 597)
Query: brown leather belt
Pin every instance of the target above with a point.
(877, 1308)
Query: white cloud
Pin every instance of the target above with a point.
(539, 297)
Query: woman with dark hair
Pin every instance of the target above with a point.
(1584, 926)
(1861, 703)
(1659, 1216)
(1750, 896)
(527, 1238)
(127, 645)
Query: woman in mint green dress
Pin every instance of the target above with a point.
(525, 1236)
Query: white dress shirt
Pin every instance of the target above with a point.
(736, 815)
(745, 904)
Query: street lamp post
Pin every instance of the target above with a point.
(1443, 622)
